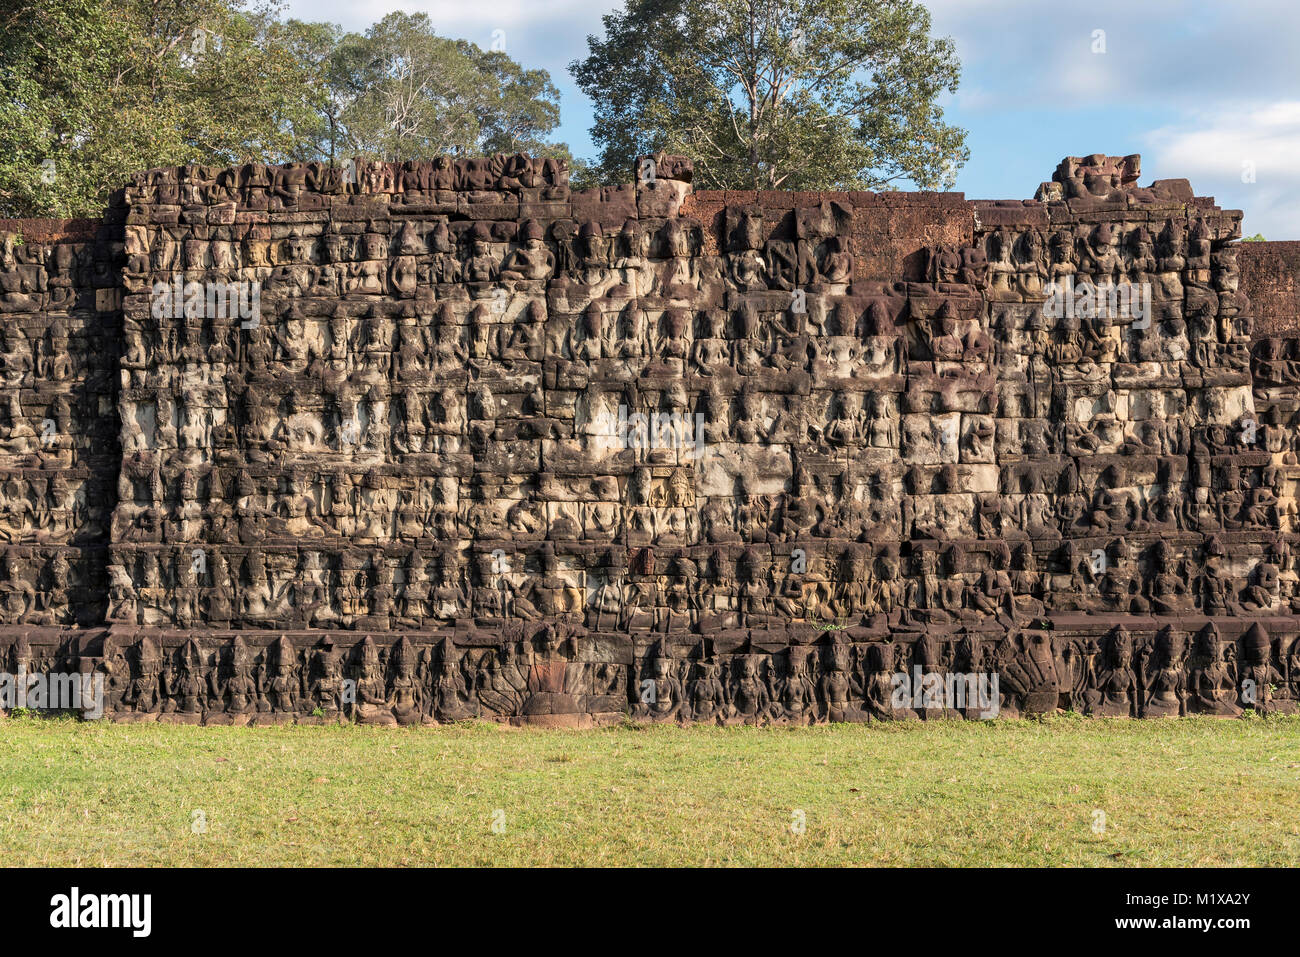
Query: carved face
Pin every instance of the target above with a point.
(675, 239)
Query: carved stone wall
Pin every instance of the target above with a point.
(60, 325)
(1270, 273)
(427, 441)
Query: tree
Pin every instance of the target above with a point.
(314, 45)
(775, 94)
(94, 90)
(406, 93)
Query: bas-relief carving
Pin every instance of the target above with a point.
(495, 449)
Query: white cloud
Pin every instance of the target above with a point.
(1159, 53)
(1213, 148)
(454, 18)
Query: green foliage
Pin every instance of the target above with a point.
(775, 94)
(1257, 238)
(94, 90)
(585, 175)
(403, 92)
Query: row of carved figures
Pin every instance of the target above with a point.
(727, 588)
(1112, 675)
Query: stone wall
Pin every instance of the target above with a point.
(429, 441)
(1270, 273)
(60, 325)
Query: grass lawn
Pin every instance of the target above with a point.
(1173, 792)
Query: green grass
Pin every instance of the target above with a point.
(1174, 792)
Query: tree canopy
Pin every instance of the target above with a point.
(775, 94)
(94, 90)
(767, 94)
(401, 91)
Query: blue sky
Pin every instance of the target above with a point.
(1205, 90)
